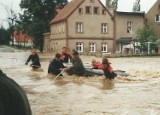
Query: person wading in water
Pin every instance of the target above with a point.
(77, 68)
(56, 65)
(35, 60)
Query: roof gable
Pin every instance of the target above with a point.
(154, 5)
(66, 11)
(70, 8)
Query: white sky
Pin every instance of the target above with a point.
(123, 5)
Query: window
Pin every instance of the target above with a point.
(80, 10)
(92, 1)
(92, 47)
(79, 27)
(157, 18)
(129, 27)
(104, 28)
(104, 47)
(96, 10)
(103, 12)
(79, 47)
(88, 10)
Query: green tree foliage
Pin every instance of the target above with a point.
(114, 4)
(36, 17)
(136, 6)
(4, 36)
(108, 3)
(145, 35)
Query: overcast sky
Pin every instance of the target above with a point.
(123, 5)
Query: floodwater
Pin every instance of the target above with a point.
(137, 94)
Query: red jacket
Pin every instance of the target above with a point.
(108, 67)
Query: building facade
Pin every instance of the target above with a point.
(127, 24)
(85, 26)
(153, 17)
(90, 28)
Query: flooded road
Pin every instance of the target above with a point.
(137, 94)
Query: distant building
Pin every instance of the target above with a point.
(153, 18)
(22, 39)
(127, 24)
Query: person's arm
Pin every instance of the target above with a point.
(28, 60)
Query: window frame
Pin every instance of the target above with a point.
(157, 18)
(79, 27)
(80, 47)
(81, 10)
(92, 45)
(104, 45)
(89, 10)
(103, 12)
(92, 1)
(129, 26)
(104, 28)
(97, 10)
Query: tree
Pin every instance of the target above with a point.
(36, 17)
(11, 19)
(114, 4)
(108, 3)
(4, 36)
(136, 6)
(144, 36)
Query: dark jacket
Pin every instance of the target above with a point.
(55, 66)
(77, 67)
(35, 61)
(13, 100)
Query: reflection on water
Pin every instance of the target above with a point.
(137, 94)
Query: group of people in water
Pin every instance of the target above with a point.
(56, 66)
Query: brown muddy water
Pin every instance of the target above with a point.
(137, 94)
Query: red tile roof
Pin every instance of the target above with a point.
(67, 10)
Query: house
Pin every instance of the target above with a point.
(153, 18)
(127, 24)
(22, 39)
(91, 28)
(84, 25)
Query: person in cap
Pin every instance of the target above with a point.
(35, 60)
(56, 65)
(77, 68)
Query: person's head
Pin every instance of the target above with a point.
(104, 61)
(64, 49)
(93, 61)
(75, 54)
(34, 52)
(58, 56)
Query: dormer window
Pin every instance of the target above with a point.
(96, 10)
(80, 10)
(88, 10)
(92, 1)
(103, 12)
